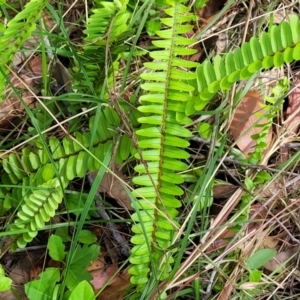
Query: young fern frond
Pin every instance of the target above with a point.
(162, 139)
(281, 44)
(18, 30)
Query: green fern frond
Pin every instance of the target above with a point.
(106, 26)
(39, 207)
(281, 44)
(70, 158)
(18, 30)
(161, 139)
(107, 22)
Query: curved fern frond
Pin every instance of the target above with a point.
(281, 44)
(38, 209)
(108, 21)
(161, 139)
(69, 157)
(18, 30)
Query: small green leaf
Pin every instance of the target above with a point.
(87, 237)
(56, 248)
(152, 26)
(254, 275)
(249, 183)
(205, 130)
(259, 258)
(83, 290)
(5, 282)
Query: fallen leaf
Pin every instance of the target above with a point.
(96, 265)
(223, 190)
(112, 186)
(35, 66)
(246, 120)
(271, 242)
(103, 276)
(210, 8)
(281, 261)
(11, 107)
(117, 289)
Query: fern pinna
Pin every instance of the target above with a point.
(162, 139)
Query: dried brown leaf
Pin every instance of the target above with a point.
(245, 121)
(117, 288)
(11, 107)
(210, 8)
(103, 276)
(223, 190)
(112, 186)
(96, 264)
(282, 260)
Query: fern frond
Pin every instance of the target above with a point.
(38, 209)
(67, 158)
(18, 30)
(107, 23)
(281, 44)
(161, 139)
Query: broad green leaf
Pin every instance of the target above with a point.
(267, 62)
(34, 160)
(42, 289)
(278, 59)
(5, 282)
(255, 275)
(81, 164)
(71, 167)
(259, 258)
(56, 248)
(79, 260)
(152, 26)
(87, 237)
(246, 53)
(83, 290)
(205, 130)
